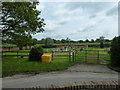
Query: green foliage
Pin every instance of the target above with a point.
(36, 53)
(101, 45)
(92, 41)
(48, 42)
(86, 40)
(115, 52)
(21, 41)
(20, 18)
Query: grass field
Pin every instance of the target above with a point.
(11, 65)
(7, 45)
(96, 43)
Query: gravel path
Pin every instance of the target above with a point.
(77, 73)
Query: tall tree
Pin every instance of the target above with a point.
(92, 41)
(48, 42)
(20, 41)
(20, 18)
(101, 41)
(86, 40)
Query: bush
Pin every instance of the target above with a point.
(36, 53)
(115, 52)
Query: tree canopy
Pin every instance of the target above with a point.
(48, 42)
(115, 52)
(20, 18)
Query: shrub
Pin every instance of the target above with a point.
(115, 52)
(36, 53)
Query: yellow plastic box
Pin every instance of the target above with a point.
(46, 58)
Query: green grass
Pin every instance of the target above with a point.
(13, 66)
(24, 50)
(96, 43)
(94, 48)
(7, 45)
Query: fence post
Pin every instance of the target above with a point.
(69, 56)
(52, 55)
(98, 57)
(73, 56)
(85, 56)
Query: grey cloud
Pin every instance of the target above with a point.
(100, 21)
(93, 16)
(48, 31)
(62, 23)
(89, 6)
(89, 28)
(112, 11)
(57, 36)
(86, 29)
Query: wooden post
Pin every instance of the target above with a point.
(52, 55)
(73, 56)
(69, 56)
(85, 56)
(98, 58)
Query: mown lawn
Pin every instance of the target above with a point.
(11, 66)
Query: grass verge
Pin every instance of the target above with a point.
(12, 66)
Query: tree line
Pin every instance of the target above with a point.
(67, 40)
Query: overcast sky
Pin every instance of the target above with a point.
(79, 20)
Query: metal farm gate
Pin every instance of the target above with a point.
(92, 56)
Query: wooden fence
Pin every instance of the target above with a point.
(69, 54)
(84, 56)
(15, 48)
(16, 54)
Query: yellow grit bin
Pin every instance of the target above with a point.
(46, 58)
